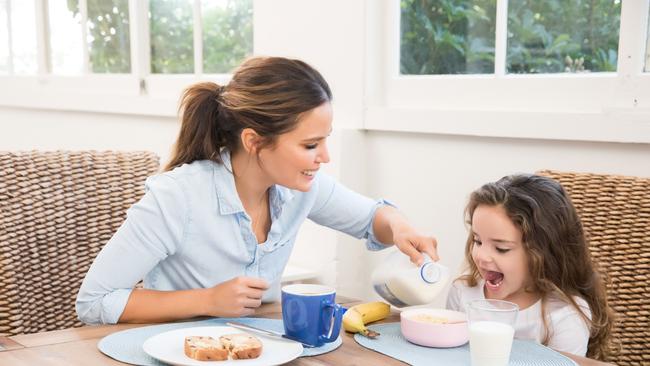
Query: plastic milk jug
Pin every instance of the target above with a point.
(402, 283)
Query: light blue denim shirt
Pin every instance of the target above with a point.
(190, 231)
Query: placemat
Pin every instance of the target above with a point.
(393, 344)
(126, 346)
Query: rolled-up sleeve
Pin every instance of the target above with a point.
(152, 231)
(342, 209)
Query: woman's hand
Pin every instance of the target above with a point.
(412, 243)
(237, 297)
(391, 227)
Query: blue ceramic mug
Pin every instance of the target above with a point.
(310, 314)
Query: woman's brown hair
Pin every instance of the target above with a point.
(266, 94)
(559, 260)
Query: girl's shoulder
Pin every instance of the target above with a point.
(560, 308)
(462, 286)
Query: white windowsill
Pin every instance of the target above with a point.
(93, 103)
(116, 94)
(628, 126)
(610, 125)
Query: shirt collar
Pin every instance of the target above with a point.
(278, 196)
(229, 202)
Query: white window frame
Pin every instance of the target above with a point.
(138, 92)
(586, 106)
(10, 61)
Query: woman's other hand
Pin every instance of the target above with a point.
(237, 297)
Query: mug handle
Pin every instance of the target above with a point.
(338, 311)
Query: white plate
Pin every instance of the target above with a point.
(168, 347)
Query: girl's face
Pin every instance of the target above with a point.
(500, 256)
(297, 155)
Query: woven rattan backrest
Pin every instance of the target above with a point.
(57, 210)
(615, 213)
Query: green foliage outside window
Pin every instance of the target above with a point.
(172, 36)
(227, 36)
(554, 36)
(447, 36)
(108, 28)
(108, 35)
(549, 36)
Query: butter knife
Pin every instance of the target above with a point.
(268, 333)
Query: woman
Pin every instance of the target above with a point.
(213, 233)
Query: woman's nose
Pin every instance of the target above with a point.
(323, 155)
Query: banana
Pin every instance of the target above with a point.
(356, 318)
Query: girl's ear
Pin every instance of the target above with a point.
(250, 140)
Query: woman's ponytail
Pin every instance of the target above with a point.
(202, 132)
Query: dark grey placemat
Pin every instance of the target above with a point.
(393, 344)
(126, 346)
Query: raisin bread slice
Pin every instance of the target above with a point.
(242, 346)
(204, 348)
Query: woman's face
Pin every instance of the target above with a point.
(500, 256)
(297, 155)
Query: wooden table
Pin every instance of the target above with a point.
(78, 346)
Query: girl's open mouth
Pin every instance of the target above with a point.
(493, 280)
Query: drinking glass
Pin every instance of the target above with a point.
(491, 330)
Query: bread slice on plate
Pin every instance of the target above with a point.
(204, 348)
(242, 346)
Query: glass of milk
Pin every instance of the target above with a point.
(491, 330)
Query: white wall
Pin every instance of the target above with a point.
(429, 176)
(27, 129)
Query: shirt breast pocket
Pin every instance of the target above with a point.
(282, 244)
(275, 259)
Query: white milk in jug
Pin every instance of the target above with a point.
(402, 283)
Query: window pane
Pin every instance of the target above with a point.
(65, 37)
(4, 38)
(23, 36)
(447, 36)
(108, 36)
(172, 42)
(227, 34)
(562, 36)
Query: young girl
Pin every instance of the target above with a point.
(213, 233)
(526, 245)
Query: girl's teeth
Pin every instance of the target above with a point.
(308, 173)
(494, 278)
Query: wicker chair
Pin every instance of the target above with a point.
(57, 210)
(615, 212)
